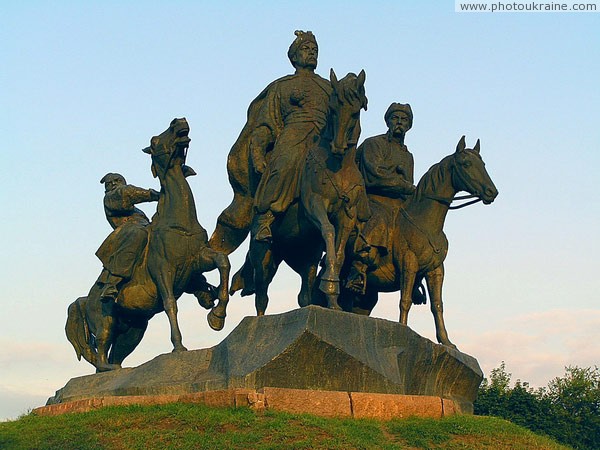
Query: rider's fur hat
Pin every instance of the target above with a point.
(405, 108)
(301, 37)
(113, 177)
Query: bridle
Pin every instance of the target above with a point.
(448, 201)
(171, 156)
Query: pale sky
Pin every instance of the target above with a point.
(84, 86)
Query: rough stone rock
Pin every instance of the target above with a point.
(309, 348)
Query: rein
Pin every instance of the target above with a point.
(171, 156)
(448, 201)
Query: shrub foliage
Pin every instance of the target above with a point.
(568, 409)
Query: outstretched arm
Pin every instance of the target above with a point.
(126, 197)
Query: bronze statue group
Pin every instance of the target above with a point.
(346, 217)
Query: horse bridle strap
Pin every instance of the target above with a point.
(448, 201)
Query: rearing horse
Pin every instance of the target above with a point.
(175, 257)
(332, 198)
(419, 245)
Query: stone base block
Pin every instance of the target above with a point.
(298, 401)
(390, 406)
(323, 356)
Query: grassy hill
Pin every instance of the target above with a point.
(189, 426)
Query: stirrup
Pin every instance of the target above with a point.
(358, 284)
(109, 294)
(264, 234)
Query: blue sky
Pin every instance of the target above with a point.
(85, 85)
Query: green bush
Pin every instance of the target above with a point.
(568, 409)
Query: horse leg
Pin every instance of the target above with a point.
(316, 211)
(105, 332)
(126, 341)
(364, 304)
(216, 316)
(309, 277)
(435, 280)
(265, 267)
(306, 265)
(163, 278)
(344, 229)
(409, 273)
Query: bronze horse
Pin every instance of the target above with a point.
(419, 244)
(332, 198)
(332, 189)
(176, 255)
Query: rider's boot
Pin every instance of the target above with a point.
(188, 171)
(357, 278)
(365, 259)
(263, 227)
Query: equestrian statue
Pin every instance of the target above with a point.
(416, 245)
(148, 265)
(347, 218)
(332, 203)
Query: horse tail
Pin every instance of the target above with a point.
(77, 330)
(419, 297)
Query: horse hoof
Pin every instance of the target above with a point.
(333, 304)
(447, 343)
(107, 367)
(205, 299)
(329, 287)
(215, 322)
(179, 348)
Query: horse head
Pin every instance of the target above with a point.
(469, 173)
(346, 101)
(170, 147)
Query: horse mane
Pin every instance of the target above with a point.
(433, 178)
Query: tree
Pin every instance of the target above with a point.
(576, 403)
(493, 393)
(568, 409)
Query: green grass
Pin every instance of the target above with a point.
(189, 426)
